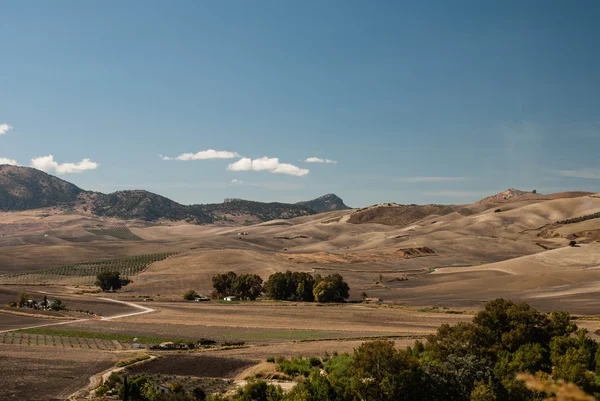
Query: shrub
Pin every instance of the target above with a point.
(497, 210)
(271, 359)
(233, 343)
(108, 280)
(190, 295)
(12, 304)
(572, 243)
(198, 394)
(100, 391)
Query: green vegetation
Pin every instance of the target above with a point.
(190, 295)
(104, 336)
(121, 233)
(479, 361)
(84, 273)
(141, 388)
(580, 219)
(298, 366)
(128, 362)
(572, 243)
(109, 280)
(243, 287)
(304, 287)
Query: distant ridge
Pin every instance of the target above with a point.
(325, 203)
(504, 196)
(24, 188)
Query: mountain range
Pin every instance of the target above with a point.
(24, 188)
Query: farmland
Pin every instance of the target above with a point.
(84, 273)
(123, 233)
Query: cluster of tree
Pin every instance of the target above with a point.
(110, 280)
(580, 219)
(478, 361)
(244, 286)
(45, 304)
(143, 389)
(287, 286)
(304, 287)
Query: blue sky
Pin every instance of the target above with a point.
(417, 102)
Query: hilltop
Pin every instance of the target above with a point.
(24, 188)
(325, 203)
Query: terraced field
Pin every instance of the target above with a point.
(121, 233)
(84, 273)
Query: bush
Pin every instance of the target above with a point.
(206, 341)
(572, 243)
(190, 295)
(271, 359)
(298, 366)
(108, 280)
(233, 343)
(198, 394)
(100, 391)
(497, 210)
(12, 304)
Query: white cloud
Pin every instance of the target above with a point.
(319, 160)
(236, 181)
(271, 165)
(429, 179)
(4, 128)
(47, 164)
(4, 160)
(589, 173)
(204, 155)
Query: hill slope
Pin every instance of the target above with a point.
(24, 188)
(325, 203)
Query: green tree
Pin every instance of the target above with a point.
(199, 394)
(247, 286)
(125, 389)
(190, 295)
(107, 280)
(382, 373)
(177, 388)
(58, 305)
(483, 392)
(276, 286)
(22, 299)
(259, 391)
(331, 288)
(223, 284)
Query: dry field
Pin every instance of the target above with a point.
(49, 375)
(268, 323)
(478, 253)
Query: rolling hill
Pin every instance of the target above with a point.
(325, 203)
(23, 188)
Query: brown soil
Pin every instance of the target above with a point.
(29, 373)
(195, 364)
(397, 215)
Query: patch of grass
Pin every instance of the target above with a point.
(437, 309)
(103, 336)
(127, 362)
(299, 366)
